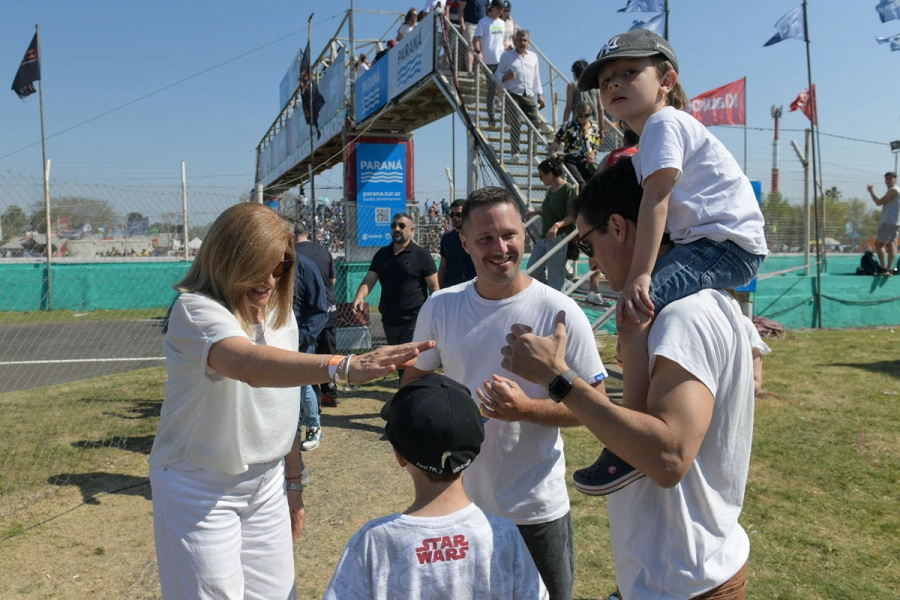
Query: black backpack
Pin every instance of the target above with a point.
(867, 264)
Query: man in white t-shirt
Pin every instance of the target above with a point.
(675, 533)
(487, 42)
(442, 546)
(889, 227)
(520, 473)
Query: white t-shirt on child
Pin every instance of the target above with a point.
(712, 197)
(465, 555)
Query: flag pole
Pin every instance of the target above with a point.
(312, 152)
(745, 126)
(48, 249)
(667, 20)
(815, 151)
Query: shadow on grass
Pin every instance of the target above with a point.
(96, 484)
(140, 444)
(353, 421)
(883, 367)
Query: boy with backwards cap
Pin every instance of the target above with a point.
(442, 546)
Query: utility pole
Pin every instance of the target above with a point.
(895, 148)
(776, 114)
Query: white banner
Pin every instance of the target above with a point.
(412, 59)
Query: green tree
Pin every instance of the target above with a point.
(78, 210)
(12, 221)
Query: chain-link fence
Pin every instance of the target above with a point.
(78, 382)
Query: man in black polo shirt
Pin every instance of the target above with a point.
(407, 273)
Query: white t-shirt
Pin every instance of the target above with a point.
(491, 32)
(431, 5)
(465, 555)
(520, 472)
(712, 197)
(680, 542)
(509, 33)
(216, 423)
(890, 211)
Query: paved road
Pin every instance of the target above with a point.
(75, 351)
(51, 353)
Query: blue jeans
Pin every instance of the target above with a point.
(552, 272)
(704, 264)
(552, 546)
(309, 403)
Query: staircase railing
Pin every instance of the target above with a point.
(516, 175)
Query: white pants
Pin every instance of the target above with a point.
(220, 536)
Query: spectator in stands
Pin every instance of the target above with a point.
(629, 148)
(472, 12)
(431, 6)
(456, 264)
(225, 468)
(409, 23)
(518, 73)
(381, 53)
(363, 65)
(451, 9)
(573, 96)
(487, 43)
(510, 25)
(580, 139)
(556, 223)
(889, 228)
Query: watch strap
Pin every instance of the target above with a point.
(295, 487)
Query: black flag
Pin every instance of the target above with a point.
(312, 99)
(29, 71)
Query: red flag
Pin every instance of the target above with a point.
(721, 106)
(807, 105)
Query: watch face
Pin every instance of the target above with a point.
(559, 387)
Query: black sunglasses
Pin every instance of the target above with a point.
(283, 267)
(583, 246)
(400, 225)
(455, 214)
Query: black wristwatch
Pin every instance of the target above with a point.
(562, 385)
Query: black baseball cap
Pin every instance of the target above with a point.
(434, 424)
(633, 44)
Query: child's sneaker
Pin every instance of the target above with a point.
(594, 298)
(609, 474)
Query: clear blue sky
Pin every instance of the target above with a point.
(102, 54)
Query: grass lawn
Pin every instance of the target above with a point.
(822, 505)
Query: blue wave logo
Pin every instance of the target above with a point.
(409, 70)
(382, 177)
(371, 101)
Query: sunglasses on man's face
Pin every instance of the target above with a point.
(283, 267)
(455, 214)
(398, 225)
(584, 246)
